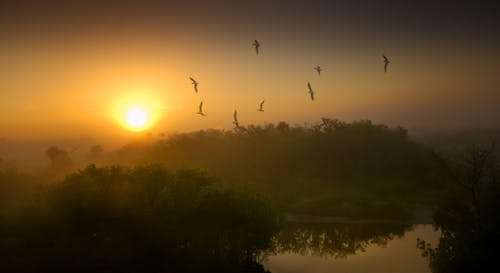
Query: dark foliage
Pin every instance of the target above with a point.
(15, 187)
(59, 159)
(468, 216)
(330, 151)
(354, 165)
(141, 219)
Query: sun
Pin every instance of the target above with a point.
(137, 118)
(137, 112)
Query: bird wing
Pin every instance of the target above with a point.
(192, 80)
(309, 86)
(201, 107)
(385, 66)
(256, 44)
(312, 95)
(262, 103)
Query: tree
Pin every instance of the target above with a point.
(95, 151)
(59, 158)
(468, 216)
(140, 219)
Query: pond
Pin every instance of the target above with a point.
(317, 248)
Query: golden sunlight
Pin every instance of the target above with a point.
(137, 118)
(137, 112)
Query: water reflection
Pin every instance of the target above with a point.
(334, 240)
(349, 248)
(467, 215)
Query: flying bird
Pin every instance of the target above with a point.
(256, 44)
(235, 119)
(195, 83)
(261, 107)
(318, 69)
(311, 92)
(386, 63)
(200, 109)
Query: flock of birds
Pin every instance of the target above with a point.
(256, 45)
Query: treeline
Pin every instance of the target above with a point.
(140, 219)
(351, 166)
(358, 169)
(329, 152)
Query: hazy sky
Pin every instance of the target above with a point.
(66, 66)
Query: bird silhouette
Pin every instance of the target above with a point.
(256, 44)
(386, 63)
(318, 69)
(311, 92)
(195, 83)
(261, 107)
(235, 119)
(200, 109)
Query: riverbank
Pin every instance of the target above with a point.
(422, 216)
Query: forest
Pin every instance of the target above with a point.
(217, 200)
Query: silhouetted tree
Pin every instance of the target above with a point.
(95, 151)
(283, 127)
(59, 158)
(468, 216)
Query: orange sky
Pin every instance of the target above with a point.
(65, 82)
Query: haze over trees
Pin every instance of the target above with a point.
(147, 219)
(332, 167)
(59, 159)
(213, 200)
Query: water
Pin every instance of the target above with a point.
(351, 248)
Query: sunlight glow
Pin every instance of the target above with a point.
(137, 112)
(137, 117)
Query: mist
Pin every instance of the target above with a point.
(226, 136)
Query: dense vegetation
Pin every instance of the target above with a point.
(468, 215)
(357, 169)
(15, 187)
(141, 219)
(139, 216)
